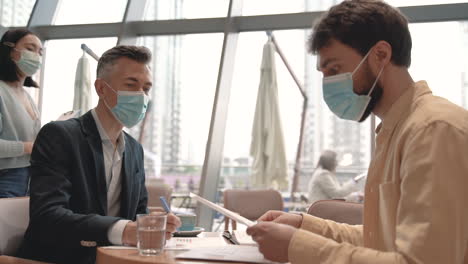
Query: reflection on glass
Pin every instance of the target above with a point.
(59, 78)
(90, 11)
(15, 13)
(185, 70)
(178, 9)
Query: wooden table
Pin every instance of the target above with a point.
(14, 260)
(131, 256)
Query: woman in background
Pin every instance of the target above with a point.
(20, 58)
(324, 184)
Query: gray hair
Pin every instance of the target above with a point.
(137, 53)
(328, 160)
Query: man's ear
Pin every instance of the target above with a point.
(381, 55)
(99, 87)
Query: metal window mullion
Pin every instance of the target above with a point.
(416, 14)
(215, 143)
(134, 11)
(43, 13)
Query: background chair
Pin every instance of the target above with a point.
(157, 188)
(338, 211)
(251, 204)
(14, 219)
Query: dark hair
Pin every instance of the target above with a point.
(360, 24)
(137, 53)
(9, 72)
(327, 160)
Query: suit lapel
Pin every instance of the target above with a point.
(95, 144)
(127, 182)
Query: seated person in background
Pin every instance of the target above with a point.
(324, 184)
(88, 178)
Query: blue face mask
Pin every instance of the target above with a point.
(130, 108)
(339, 95)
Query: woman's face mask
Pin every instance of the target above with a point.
(29, 62)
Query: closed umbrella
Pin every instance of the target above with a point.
(82, 99)
(269, 166)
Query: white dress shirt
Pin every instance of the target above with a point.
(112, 166)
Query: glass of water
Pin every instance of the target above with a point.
(151, 233)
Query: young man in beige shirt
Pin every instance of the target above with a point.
(415, 195)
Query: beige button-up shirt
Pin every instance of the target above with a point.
(416, 199)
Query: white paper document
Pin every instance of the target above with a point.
(184, 243)
(224, 211)
(234, 253)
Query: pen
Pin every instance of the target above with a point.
(164, 204)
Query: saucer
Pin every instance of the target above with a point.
(191, 233)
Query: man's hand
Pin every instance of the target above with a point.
(173, 222)
(273, 239)
(129, 236)
(281, 217)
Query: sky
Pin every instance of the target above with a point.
(440, 54)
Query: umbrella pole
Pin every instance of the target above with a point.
(297, 164)
(91, 53)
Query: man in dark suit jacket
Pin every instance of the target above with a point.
(88, 179)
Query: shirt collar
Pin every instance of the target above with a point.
(103, 134)
(403, 105)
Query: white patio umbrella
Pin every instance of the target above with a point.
(82, 98)
(269, 166)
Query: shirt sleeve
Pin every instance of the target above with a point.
(431, 221)
(336, 231)
(10, 149)
(116, 231)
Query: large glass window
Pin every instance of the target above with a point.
(266, 7)
(90, 11)
(440, 56)
(178, 9)
(423, 2)
(15, 13)
(185, 70)
(323, 130)
(59, 75)
(246, 79)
